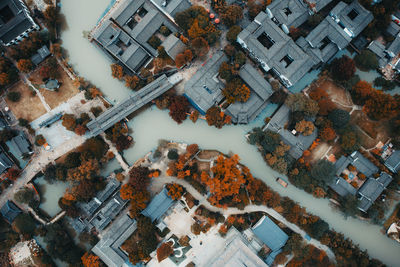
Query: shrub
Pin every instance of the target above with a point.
(14, 96)
(366, 60)
(173, 154)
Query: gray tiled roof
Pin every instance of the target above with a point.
(19, 145)
(394, 47)
(297, 143)
(275, 57)
(393, 28)
(260, 91)
(109, 246)
(173, 46)
(173, 7)
(158, 205)
(342, 187)
(380, 51)
(356, 159)
(41, 54)
(204, 87)
(10, 211)
(372, 189)
(292, 13)
(18, 24)
(393, 161)
(5, 161)
(356, 25)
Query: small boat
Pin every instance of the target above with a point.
(282, 182)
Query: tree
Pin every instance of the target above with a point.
(231, 15)
(366, 60)
(349, 141)
(178, 108)
(131, 81)
(123, 142)
(69, 121)
(175, 191)
(188, 55)
(80, 129)
(324, 172)
(154, 41)
(305, 127)
(315, 20)
(232, 34)
(90, 260)
(349, 205)
(226, 71)
(339, 118)
(52, 18)
(164, 251)
(12, 174)
(24, 224)
(381, 106)
(215, 117)
(300, 102)
(327, 134)
(25, 65)
(236, 90)
(24, 195)
(180, 60)
(40, 140)
(173, 154)
(87, 170)
(14, 96)
(117, 71)
(192, 149)
(361, 91)
(343, 68)
(200, 46)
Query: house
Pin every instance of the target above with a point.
(3, 124)
(393, 161)
(5, 161)
(388, 56)
(298, 142)
(336, 31)
(41, 55)
(109, 247)
(10, 211)
(238, 251)
(158, 206)
(173, 46)
(125, 31)
(274, 50)
(19, 146)
(260, 91)
(292, 13)
(370, 189)
(272, 236)
(15, 22)
(204, 89)
(101, 210)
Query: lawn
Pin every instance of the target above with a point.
(29, 107)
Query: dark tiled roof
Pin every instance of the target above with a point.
(41, 54)
(19, 145)
(393, 28)
(173, 46)
(158, 205)
(342, 187)
(5, 161)
(372, 189)
(393, 161)
(10, 211)
(204, 87)
(292, 13)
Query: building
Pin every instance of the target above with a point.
(5, 161)
(293, 13)
(388, 56)
(274, 50)
(125, 32)
(272, 236)
(260, 91)
(19, 146)
(238, 251)
(336, 31)
(109, 247)
(173, 46)
(10, 211)
(41, 55)
(204, 89)
(101, 210)
(15, 22)
(370, 189)
(393, 161)
(298, 142)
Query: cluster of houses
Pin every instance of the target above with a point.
(268, 43)
(15, 22)
(127, 30)
(237, 248)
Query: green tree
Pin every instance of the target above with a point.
(343, 68)
(173, 154)
(14, 96)
(232, 33)
(24, 195)
(366, 60)
(349, 140)
(349, 206)
(339, 118)
(231, 15)
(323, 172)
(24, 224)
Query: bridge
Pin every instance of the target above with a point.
(133, 103)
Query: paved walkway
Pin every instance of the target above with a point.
(159, 182)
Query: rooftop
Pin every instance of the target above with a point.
(260, 91)
(393, 161)
(270, 234)
(41, 54)
(204, 89)
(19, 145)
(291, 13)
(158, 205)
(297, 143)
(10, 211)
(5, 161)
(372, 189)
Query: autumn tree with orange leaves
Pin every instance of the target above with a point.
(236, 91)
(117, 71)
(164, 251)
(216, 117)
(175, 191)
(90, 260)
(178, 108)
